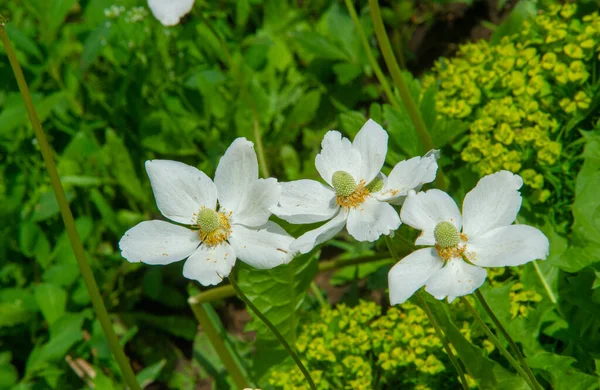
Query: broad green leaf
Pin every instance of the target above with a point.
(94, 44)
(33, 243)
(347, 72)
(64, 333)
(122, 166)
(351, 122)
(278, 293)
(8, 373)
(318, 46)
(47, 207)
(560, 373)
(52, 301)
(304, 111)
(403, 134)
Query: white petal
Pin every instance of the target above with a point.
(305, 201)
(237, 170)
(371, 142)
(158, 242)
(408, 175)
(209, 265)
(423, 211)
(508, 246)
(180, 190)
(371, 219)
(255, 208)
(494, 202)
(262, 248)
(337, 154)
(169, 12)
(456, 279)
(411, 273)
(306, 242)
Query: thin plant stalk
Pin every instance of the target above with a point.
(544, 282)
(497, 342)
(273, 329)
(365, 42)
(67, 216)
(438, 329)
(390, 60)
(434, 323)
(511, 342)
(318, 295)
(218, 344)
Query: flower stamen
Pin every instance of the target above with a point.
(213, 227)
(343, 183)
(353, 200)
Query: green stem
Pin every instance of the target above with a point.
(260, 151)
(497, 342)
(273, 329)
(226, 291)
(433, 322)
(390, 60)
(544, 282)
(318, 296)
(67, 216)
(511, 342)
(365, 42)
(217, 343)
(438, 329)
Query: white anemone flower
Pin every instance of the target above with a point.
(357, 194)
(227, 218)
(451, 266)
(170, 12)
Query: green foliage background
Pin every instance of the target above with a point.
(114, 88)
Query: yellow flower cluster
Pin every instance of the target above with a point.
(517, 94)
(521, 301)
(348, 344)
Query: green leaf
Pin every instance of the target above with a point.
(305, 109)
(178, 326)
(278, 293)
(352, 121)
(8, 373)
(93, 45)
(47, 207)
(318, 46)
(403, 133)
(33, 243)
(346, 72)
(52, 301)
(524, 10)
(122, 166)
(560, 373)
(150, 373)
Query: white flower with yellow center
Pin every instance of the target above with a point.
(227, 219)
(358, 195)
(452, 266)
(170, 12)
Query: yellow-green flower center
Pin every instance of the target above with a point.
(375, 185)
(343, 183)
(208, 220)
(446, 235)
